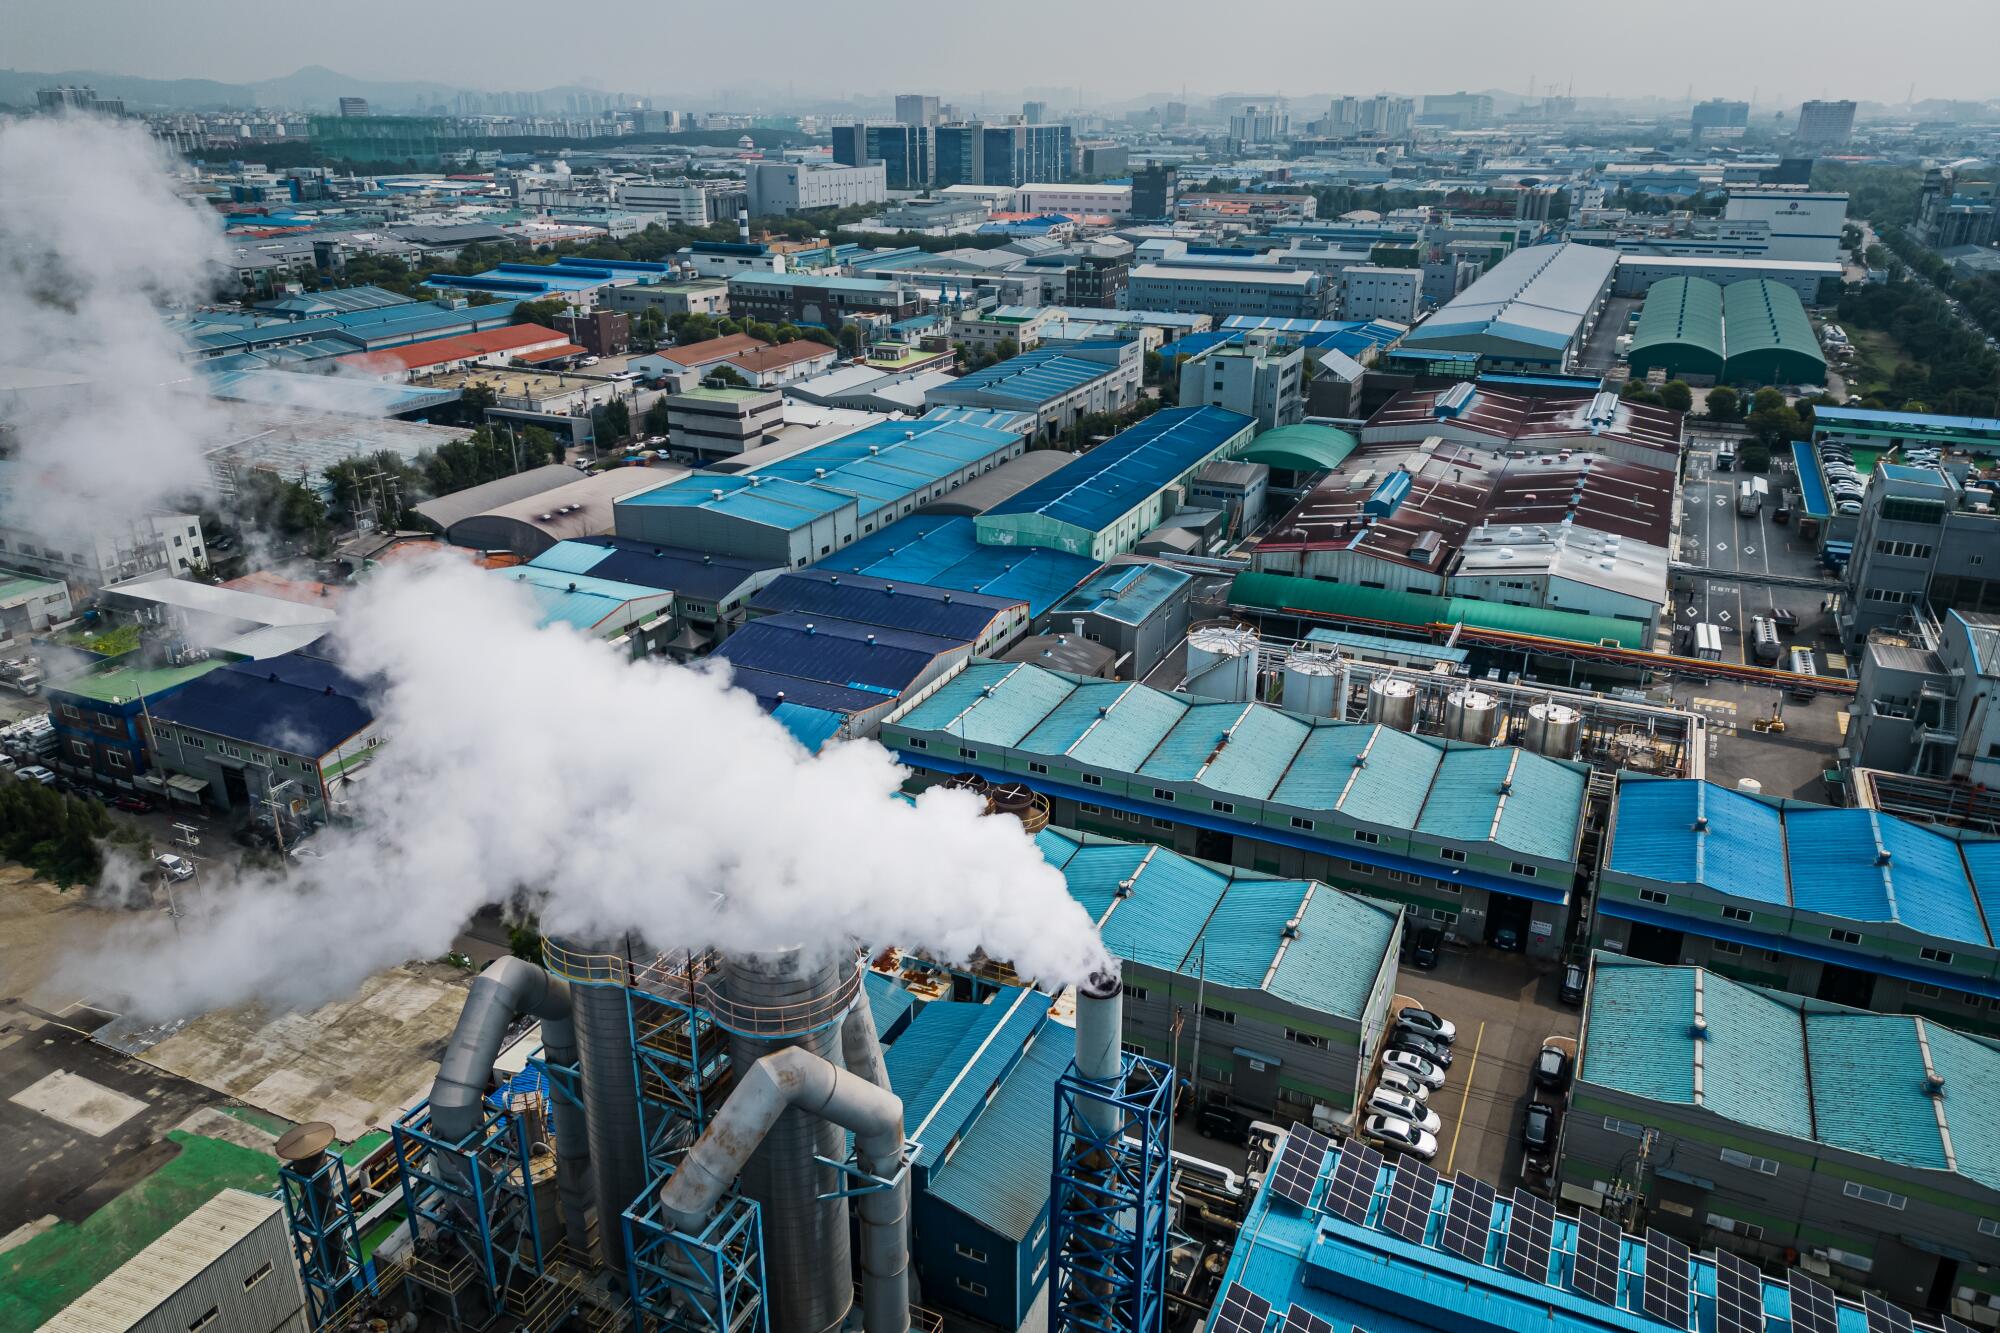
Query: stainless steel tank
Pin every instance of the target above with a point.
(785, 1002)
(1393, 703)
(1222, 663)
(1554, 729)
(1312, 683)
(1471, 715)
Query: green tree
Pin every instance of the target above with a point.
(1155, 367)
(813, 333)
(651, 325)
(850, 339)
(273, 504)
(657, 417)
(1638, 391)
(729, 328)
(474, 400)
(617, 420)
(725, 377)
(524, 940)
(1006, 348)
(760, 331)
(1724, 404)
(1677, 395)
(542, 312)
(1754, 456)
(788, 332)
(695, 329)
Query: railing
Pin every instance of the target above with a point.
(666, 975)
(782, 1020)
(349, 1312)
(442, 1278)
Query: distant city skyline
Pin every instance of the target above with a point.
(1768, 54)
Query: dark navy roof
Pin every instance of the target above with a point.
(863, 599)
(769, 686)
(295, 702)
(669, 568)
(835, 652)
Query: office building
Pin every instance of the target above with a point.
(916, 109)
(1112, 201)
(1797, 221)
(1153, 193)
(598, 332)
(808, 298)
(1035, 113)
(1953, 213)
(710, 297)
(680, 203)
(1921, 540)
(792, 187)
(353, 106)
(1101, 158)
(1792, 1126)
(1369, 291)
(1458, 111)
(1718, 114)
(1822, 124)
(706, 424)
(1261, 381)
(974, 153)
(1927, 700)
(1530, 312)
(100, 723)
(1224, 290)
(908, 153)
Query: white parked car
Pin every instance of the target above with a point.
(36, 773)
(1398, 1107)
(1401, 1135)
(173, 867)
(1418, 1068)
(1396, 1081)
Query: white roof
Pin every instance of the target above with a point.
(1827, 267)
(138, 1286)
(1275, 277)
(228, 603)
(1580, 555)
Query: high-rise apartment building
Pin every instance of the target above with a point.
(1458, 111)
(1260, 122)
(916, 109)
(1034, 113)
(1718, 114)
(1825, 123)
(75, 97)
(353, 106)
(1381, 114)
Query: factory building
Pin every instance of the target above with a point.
(710, 593)
(1855, 906)
(940, 551)
(814, 503)
(1058, 385)
(793, 187)
(810, 298)
(853, 669)
(99, 722)
(1293, 980)
(533, 523)
(1258, 381)
(1812, 283)
(1232, 289)
(1530, 312)
(632, 615)
(288, 734)
(1368, 291)
(1791, 1125)
(1138, 611)
(493, 347)
(29, 605)
(1799, 222)
(1105, 501)
(671, 298)
(1476, 839)
(987, 623)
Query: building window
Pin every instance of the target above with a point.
(917, 744)
(1318, 1043)
(1224, 807)
(1737, 914)
(1085, 808)
(1761, 1165)
(1747, 1230)
(81, 749)
(1989, 1226)
(1930, 955)
(1162, 794)
(1135, 992)
(1844, 936)
(206, 1319)
(1616, 1126)
(964, 753)
(118, 759)
(1920, 990)
(1037, 768)
(106, 720)
(1653, 896)
(970, 1288)
(256, 1277)
(1524, 870)
(1163, 823)
(1440, 914)
(1452, 854)
(69, 712)
(1360, 869)
(967, 1252)
(1092, 780)
(1869, 1194)
(1302, 823)
(1729, 947)
(1360, 835)
(1215, 1015)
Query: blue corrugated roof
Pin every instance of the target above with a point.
(1121, 473)
(1869, 866)
(579, 600)
(689, 573)
(865, 599)
(1030, 379)
(890, 1002)
(945, 553)
(1125, 593)
(1700, 833)
(872, 659)
(294, 702)
(810, 727)
(999, 1176)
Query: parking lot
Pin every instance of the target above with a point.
(1504, 1008)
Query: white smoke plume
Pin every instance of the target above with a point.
(625, 796)
(94, 242)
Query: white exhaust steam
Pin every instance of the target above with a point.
(647, 796)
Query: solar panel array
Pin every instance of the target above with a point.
(1739, 1295)
(1298, 1319)
(1885, 1316)
(1597, 1257)
(1353, 1182)
(1241, 1311)
(1409, 1208)
(1297, 1167)
(1529, 1236)
(1812, 1305)
(1469, 1218)
(1955, 1326)
(1666, 1297)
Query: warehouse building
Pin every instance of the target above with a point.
(711, 593)
(1768, 336)
(1530, 312)
(289, 733)
(634, 616)
(1058, 385)
(1497, 417)
(1002, 483)
(29, 605)
(944, 552)
(814, 503)
(1813, 283)
(856, 670)
(1854, 906)
(1783, 1124)
(443, 511)
(987, 623)
(1293, 979)
(1680, 332)
(1104, 502)
(1476, 839)
(532, 524)
(1138, 611)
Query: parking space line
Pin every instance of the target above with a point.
(1465, 1099)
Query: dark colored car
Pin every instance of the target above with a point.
(1538, 1128)
(1439, 1054)
(1223, 1124)
(1424, 948)
(1571, 991)
(1552, 1069)
(137, 805)
(1507, 939)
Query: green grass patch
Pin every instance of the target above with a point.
(111, 642)
(41, 1277)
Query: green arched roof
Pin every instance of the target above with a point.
(1301, 448)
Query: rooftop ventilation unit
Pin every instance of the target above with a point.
(1454, 401)
(1602, 412)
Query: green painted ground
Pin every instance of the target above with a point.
(264, 1120)
(39, 1278)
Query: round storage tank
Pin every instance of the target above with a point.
(1471, 715)
(1554, 730)
(1222, 663)
(1312, 684)
(1393, 703)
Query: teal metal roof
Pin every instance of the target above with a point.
(577, 600)
(999, 1176)
(950, 1057)
(1125, 593)
(1868, 1088)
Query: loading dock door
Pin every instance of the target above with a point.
(1254, 1079)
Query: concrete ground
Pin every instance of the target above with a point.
(1600, 349)
(1504, 1007)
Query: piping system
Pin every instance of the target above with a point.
(855, 1098)
(510, 988)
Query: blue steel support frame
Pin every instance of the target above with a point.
(478, 1189)
(717, 1275)
(677, 1053)
(1108, 1200)
(319, 1210)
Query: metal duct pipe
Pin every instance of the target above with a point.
(610, 1107)
(509, 988)
(860, 1050)
(885, 1226)
(1100, 1052)
(797, 1080)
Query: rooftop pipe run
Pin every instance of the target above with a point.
(508, 988)
(857, 1099)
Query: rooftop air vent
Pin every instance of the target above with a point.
(1934, 1085)
(1701, 824)
(1882, 858)
(1698, 1029)
(1291, 930)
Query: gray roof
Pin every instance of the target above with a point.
(449, 509)
(1002, 483)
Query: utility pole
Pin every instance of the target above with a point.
(190, 838)
(273, 800)
(1200, 1002)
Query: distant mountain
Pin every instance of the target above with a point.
(314, 88)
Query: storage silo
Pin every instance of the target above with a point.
(1393, 703)
(1222, 663)
(1472, 716)
(1553, 729)
(1312, 683)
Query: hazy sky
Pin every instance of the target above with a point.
(1783, 49)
